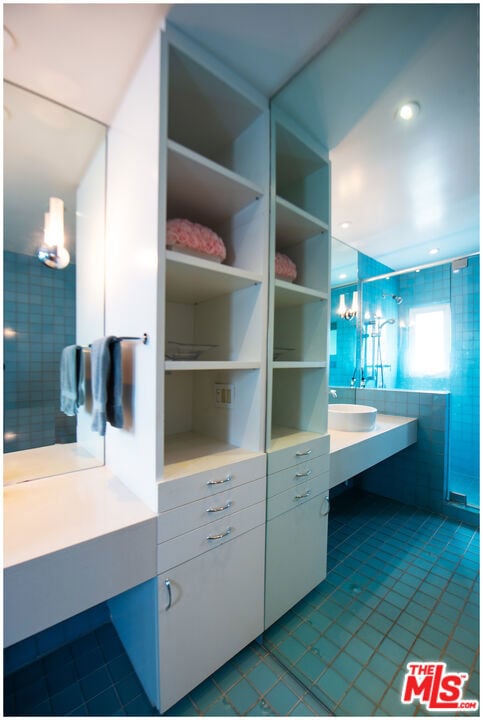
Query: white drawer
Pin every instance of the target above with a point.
(180, 491)
(184, 547)
(218, 506)
(297, 454)
(285, 479)
(297, 495)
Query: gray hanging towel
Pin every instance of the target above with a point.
(114, 411)
(100, 370)
(72, 379)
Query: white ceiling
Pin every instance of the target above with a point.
(401, 187)
(80, 54)
(266, 44)
(405, 187)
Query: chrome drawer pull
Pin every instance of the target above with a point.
(301, 453)
(220, 507)
(304, 495)
(304, 474)
(167, 583)
(328, 505)
(218, 536)
(220, 482)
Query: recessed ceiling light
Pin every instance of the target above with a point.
(346, 224)
(434, 251)
(408, 110)
(342, 276)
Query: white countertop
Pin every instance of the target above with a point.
(61, 458)
(49, 514)
(340, 439)
(70, 542)
(354, 452)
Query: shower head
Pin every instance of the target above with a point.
(397, 298)
(390, 321)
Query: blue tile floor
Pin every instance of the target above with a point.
(93, 676)
(402, 585)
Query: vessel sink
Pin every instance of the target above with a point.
(346, 416)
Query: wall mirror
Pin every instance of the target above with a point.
(49, 152)
(345, 303)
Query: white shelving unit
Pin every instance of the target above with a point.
(217, 165)
(297, 440)
(212, 486)
(298, 311)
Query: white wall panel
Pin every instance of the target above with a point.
(131, 271)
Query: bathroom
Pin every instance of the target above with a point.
(402, 559)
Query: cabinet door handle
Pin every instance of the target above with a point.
(304, 474)
(301, 453)
(221, 481)
(218, 536)
(220, 507)
(328, 505)
(167, 583)
(304, 495)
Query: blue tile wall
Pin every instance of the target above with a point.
(367, 267)
(464, 441)
(416, 475)
(462, 290)
(436, 284)
(344, 395)
(27, 651)
(377, 297)
(39, 305)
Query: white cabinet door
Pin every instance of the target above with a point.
(296, 555)
(216, 609)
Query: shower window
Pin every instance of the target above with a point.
(430, 340)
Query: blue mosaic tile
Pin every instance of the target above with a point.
(67, 699)
(332, 685)
(262, 678)
(281, 699)
(242, 696)
(106, 703)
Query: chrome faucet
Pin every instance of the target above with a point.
(332, 393)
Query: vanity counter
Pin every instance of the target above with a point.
(70, 542)
(354, 452)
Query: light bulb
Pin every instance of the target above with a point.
(342, 307)
(409, 110)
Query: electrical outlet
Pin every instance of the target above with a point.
(224, 395)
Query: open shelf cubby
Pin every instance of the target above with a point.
(212, 114)
(309, 253)
(302, 330)
(302, 176)
(229, 325)
(298, 398)
(202, 192)
(197, 429)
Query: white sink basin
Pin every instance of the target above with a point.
(346, 416)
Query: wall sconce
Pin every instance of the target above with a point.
(348, 313)
(53, 252)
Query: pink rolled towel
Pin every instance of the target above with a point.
(185, 235)
(285, 268)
